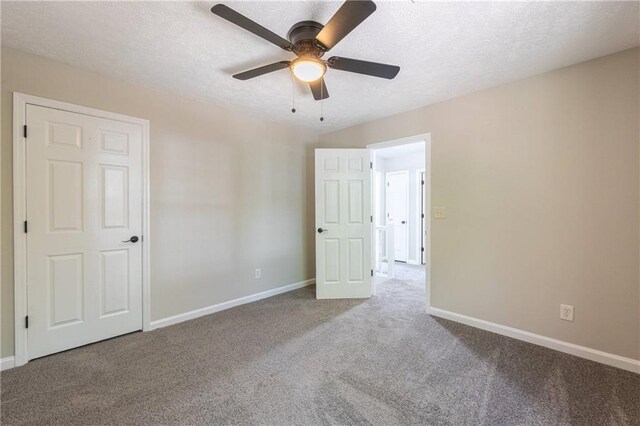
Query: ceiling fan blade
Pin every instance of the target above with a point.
(319, 89)
(256, 72)
(242, 21)
(350, 15)
(374, 69)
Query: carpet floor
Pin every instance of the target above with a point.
(292, 359)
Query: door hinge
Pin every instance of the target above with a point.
(371, 219)
(372, 272)
(421, 248)
(422, 215)
(26, 227)
(371, 164)
(422, 182)
(26, 321)
(24, 131)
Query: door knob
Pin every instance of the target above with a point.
(403, 222)
(133, 239)
(320, 230)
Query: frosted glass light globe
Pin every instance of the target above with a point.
(308, 70)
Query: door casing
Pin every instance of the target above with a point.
(20, 102)
(421, 214)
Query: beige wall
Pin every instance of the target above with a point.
(540, 181)
(540, 178)
(227, 190)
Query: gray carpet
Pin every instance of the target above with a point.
(294, 360)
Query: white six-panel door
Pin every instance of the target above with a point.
(397, 199)
(84, 199)
(343, 223)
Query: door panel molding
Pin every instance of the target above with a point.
(343, 223)
(407, 203)
(67, 137)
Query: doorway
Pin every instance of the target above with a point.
(352, 231)
(80, 207)
(401, 233)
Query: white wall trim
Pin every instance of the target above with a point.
(20, 102)
(419, 206)
(7, 363)
(186, 316)
(617, 361)
(401, 141)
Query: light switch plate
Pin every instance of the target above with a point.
(439, 212)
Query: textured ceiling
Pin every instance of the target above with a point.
(444, 49)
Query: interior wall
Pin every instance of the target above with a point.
(228, 191)
(540, 179)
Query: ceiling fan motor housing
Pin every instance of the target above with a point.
(302, 35)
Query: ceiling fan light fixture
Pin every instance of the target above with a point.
(307, 69)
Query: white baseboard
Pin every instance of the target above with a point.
(629, 364)
(7, 363)
(413, 262)
(227, 305)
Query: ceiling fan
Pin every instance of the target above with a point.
(310, 40)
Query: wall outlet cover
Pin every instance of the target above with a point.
(566, 312)
(439, 212)
(258, 273)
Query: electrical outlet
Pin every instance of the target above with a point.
(566, 312)
(258, 274)
(439, 212)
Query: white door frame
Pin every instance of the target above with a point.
(20, 102)
(407, 208)
(426, 137)
(419, 211)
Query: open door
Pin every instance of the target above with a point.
(343, 223)
(397, 200)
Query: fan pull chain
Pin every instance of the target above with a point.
(293, 94)
(321, 99)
